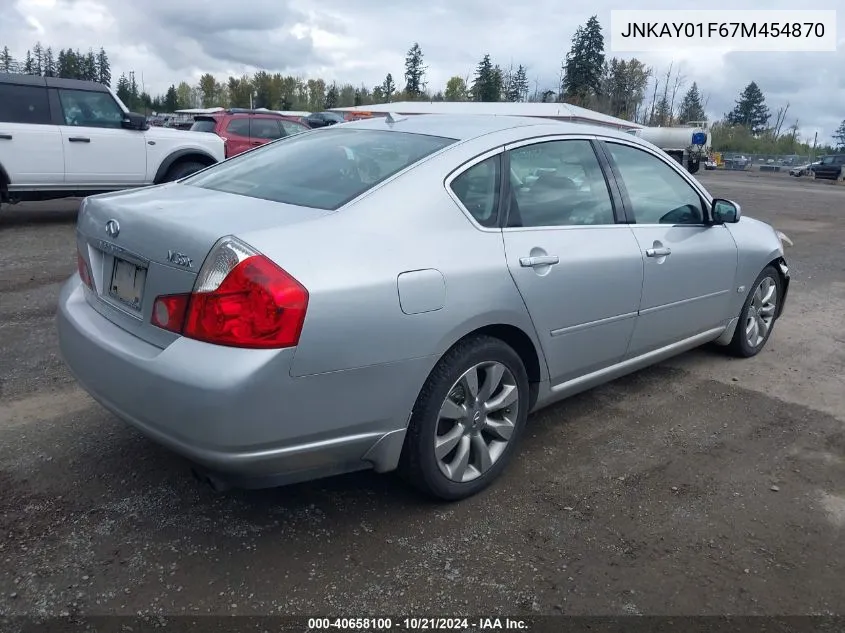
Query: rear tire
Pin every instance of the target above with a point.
(455, 445)
(758, 316)
(182, 170)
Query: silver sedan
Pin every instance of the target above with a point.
(400, 293)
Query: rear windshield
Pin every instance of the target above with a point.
(322, 169)
(203, 125)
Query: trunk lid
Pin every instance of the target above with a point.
(143, 243)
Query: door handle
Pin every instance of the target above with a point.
(79, 139)
(658, 252)
(542, 260)
(255, 143)
(6, 137)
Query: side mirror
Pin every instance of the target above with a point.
(726, 212)
(134, 121)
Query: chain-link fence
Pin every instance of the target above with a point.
(762, 162)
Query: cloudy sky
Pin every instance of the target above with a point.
(356, 41)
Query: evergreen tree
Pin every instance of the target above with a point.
(331, 97)
(388, 88)
(414, 72)
(49, 63)
(29, 64)
(691, 107)
(89, 66)
(516, 85)
(751, 110)
(103, 68)
(839, 136)
(171, 99)
(487, 84)
(6, 60)
(584, 64)
(38, 59)
(124, 92)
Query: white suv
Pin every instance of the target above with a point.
(64, 137)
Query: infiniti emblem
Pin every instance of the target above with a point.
(112, 228)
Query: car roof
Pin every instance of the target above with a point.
(464, 127)
(51, 82)
(233, 113)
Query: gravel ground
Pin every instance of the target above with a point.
(703, 485)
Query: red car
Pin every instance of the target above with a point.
(243, 129)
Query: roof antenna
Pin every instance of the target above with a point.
(392, 118)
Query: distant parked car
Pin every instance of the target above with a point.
(801, 170)
(323, 119)
(382, 296)
(829, 167)
(243, 129)
(710, 165)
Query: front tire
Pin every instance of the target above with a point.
(182, 170)
(758, 316)
(467, 420)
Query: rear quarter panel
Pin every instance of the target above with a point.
(350, 262)
(757, 245)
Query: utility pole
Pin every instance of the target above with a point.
(815, 140)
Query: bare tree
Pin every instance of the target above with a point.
(653, 101)
(680, 80)
(780, 116)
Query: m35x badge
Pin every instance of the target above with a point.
(179, 259)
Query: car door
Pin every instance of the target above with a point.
(689, 263)
(236, 136)
(575, 263)
(30, 142)
(98, 151)
(263, 130)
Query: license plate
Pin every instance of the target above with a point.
(127, 283)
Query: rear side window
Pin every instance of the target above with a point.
(265, 129)
(24, 104)
(204, 125)
(478, 190)
(323, 169)
(239, 127)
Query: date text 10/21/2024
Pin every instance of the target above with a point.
(417, 624)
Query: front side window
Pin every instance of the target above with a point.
(658, 194)
(323, 170)
(292, 127)
(558, 183)
(90, 109)
(478, 190)
(24, 104)
(267, 129)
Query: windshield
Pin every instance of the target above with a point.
(322, 169)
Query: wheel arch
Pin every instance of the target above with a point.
(5, 181)
(517, 338)
(181, 156)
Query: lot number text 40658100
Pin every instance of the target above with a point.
(417, 624)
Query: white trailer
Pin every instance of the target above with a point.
(689, 145)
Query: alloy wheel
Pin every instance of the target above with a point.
(476, 421)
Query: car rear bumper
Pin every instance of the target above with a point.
(239, 412)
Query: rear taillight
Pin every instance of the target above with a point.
(84, 271)
(240, 299)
